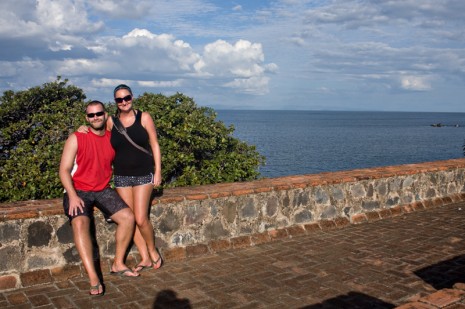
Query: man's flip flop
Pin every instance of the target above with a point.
(123, 273)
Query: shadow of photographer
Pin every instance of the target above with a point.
(168, 299)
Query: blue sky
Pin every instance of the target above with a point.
(396, 55)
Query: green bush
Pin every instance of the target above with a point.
(35, 124)
(196, 149)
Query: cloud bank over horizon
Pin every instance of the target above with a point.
(398, 55)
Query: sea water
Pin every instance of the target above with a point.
(308, 142)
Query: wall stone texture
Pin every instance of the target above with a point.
(36, 239)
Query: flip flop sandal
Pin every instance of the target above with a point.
(122, 273)
(140, 268)
(96, 288)
(160, 257)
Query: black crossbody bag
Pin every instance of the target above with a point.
(121, 129)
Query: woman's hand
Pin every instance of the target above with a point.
(83, 129)
(157, 179)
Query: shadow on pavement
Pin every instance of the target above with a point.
(352, 300)
(444, 274)
(168, 299)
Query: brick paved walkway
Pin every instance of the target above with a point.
(382, 264)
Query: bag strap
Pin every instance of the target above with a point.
(119, 127)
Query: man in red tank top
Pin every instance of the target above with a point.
(85, 172)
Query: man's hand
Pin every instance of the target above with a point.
(76, 206)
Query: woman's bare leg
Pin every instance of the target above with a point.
(141, 198)
(128, 194)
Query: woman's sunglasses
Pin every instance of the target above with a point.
(98, 114)
(126, 99)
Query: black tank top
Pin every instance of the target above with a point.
(130, 161)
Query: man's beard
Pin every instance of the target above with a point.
(98, 126)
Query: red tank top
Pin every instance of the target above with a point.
(93, 166)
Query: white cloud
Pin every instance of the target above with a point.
(121, 8)
(203, 48)
(48, 18)
(257, 85)
(415, 83)
(143, 51)
(65, 17)
(106, 82)
(161, 84)
(60, 46)
(147, 58)
(241, 59)
(159, 11)
(25, 73)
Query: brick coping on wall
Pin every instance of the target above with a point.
(44, 208)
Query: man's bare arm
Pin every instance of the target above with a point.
(66, 165)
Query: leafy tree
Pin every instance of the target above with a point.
(35, 124)
(196, 148)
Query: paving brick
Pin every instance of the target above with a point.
(175, 254)
(220, 245)
(295, 230)
(416, 305)
(61, 302)
(8, 282)
(459, 286)
(278, 234)
(36, 277)
(341, 222)
(39, 300)
(358, 218)
(422, 205)
(17, 298)
(396, 211)
(443, 297)
(260, 238)
(196, 250)
(240, 242)
(456, 306)
(396, 261)
(64, 273)
(385, 213)
(312, 227)
(327, 224)
(372, 216)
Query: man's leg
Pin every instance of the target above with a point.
(83, 242)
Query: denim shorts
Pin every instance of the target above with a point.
(132, 181)
(107, 200)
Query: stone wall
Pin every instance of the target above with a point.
(36, 243)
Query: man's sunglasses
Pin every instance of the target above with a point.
(98, 114)
(126, 98)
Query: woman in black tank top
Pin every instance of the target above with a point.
(137, 169)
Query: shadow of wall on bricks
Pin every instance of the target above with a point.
(444, 274)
